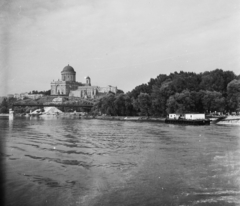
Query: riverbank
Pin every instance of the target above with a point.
(112, 118)
(230, 120)
(4, 115)
(138, 119)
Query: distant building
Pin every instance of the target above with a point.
(26, 95)
(22, 95)
(17, 96)
(34, 96)
(68, 86)
(10, 95)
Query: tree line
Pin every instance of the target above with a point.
(6, 104)
(47, 92)
(181, 92)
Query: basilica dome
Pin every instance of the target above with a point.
(68, 69)
(68, 74)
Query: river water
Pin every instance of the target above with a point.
(67, 161)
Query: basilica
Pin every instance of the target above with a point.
(68, 86)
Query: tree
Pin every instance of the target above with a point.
(105, 105)
(160, 97)
(179, 84)
(19, 110)
(129, 106)
(233, 95)
(119, 104)
(143, 88)
(216, 80)
(213, 101)
(119, 91)
(197, 98)
(228, 76)
(180, 103)
(4, 106)
(144, 103)
(48, 92)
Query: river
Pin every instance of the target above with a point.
(70, 161)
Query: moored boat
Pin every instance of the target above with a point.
(187, 119)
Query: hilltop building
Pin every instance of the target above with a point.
(68, 86)
(26, 95)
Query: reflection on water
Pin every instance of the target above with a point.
(92, 162)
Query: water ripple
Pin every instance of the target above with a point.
(78, 162)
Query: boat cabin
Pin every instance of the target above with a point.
(173, 116)
(194, 116)
(186, 116)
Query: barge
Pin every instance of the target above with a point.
(187, 119)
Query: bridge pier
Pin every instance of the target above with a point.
(11, 114)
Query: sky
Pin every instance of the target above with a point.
(121, 43)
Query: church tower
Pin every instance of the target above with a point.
(88, 81)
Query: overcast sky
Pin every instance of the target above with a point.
(121, 43)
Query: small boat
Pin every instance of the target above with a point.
(187, 119)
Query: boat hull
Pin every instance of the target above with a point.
(188, 121)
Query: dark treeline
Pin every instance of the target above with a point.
(47, 92)
(6, 104)
(182, 92)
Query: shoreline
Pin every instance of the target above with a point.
(138, 119)
(230, 119)
(111, 118)
(4, 115)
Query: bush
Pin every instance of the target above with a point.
(3, 109)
